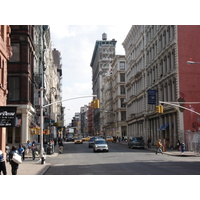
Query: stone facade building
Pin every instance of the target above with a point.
(156, 61)
(103, 54)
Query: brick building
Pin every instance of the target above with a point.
(5, 54)
(20, 81)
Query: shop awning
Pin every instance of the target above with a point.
(163, 127)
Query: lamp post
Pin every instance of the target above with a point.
(41, 125)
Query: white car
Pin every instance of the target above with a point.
(100, 145)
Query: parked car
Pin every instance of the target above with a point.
(91, 142)
(100, 145)
(136, 142)
(109, 139)
(78, 141)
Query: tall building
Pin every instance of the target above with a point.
(103, 54)
(119, 95)
(157, 71)
(21, 82)
(5, 54)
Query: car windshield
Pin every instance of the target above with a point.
(100, 142)
(137, 139)
(92, 139)
(78, 139)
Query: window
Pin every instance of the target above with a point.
(122, 66)
(122, 89)
(16, 52)
(13, 88)
(123, 115)
(122, 77)
(122, 103)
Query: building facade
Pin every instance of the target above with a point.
(32, 66)
(5, 54)
(119, 95)
(21, 82)
(156, 61)
(103, 54)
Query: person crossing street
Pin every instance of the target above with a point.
(159, 147)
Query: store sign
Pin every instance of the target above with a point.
(152, 97)
(7, 116)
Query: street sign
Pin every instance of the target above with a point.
(152, 97)
(7, 116)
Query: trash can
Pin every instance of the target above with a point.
(50, 149)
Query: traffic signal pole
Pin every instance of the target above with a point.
(42, 119)
(175, 105)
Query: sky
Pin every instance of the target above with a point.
(76, 44)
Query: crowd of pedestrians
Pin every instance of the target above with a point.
(21, 151)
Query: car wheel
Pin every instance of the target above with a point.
(94, 150)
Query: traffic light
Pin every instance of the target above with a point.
(95, 103)
(92, 104)
(159, 109)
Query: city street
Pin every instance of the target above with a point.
(78, 159)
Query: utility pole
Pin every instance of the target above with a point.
(41, 125)
(42, 120)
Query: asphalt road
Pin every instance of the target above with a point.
(78, 159)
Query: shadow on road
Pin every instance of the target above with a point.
(133, 168)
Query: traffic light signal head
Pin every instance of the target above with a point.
(92, 104)
(95, 103)
(159, 109)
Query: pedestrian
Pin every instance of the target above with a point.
(28, 147)
(149, 143)
(33, 149)
(45, 143)
(23, 154)
(55, 142)
(60, 144)
(2, 164)
(7, 152)
(159, 147)
(21, 150)
(14, 165)
(178, 145)
(182, 147)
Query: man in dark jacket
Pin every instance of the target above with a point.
(2, 164)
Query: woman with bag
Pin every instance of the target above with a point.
(14, 165)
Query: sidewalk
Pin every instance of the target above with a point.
(171, 152)
(30, 166)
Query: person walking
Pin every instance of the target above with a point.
(2, 164)
(60, 144)
(28, 147)
(159, 147)
(33, 149)
(149, 143)
(21, 151)
(7, 152)
(182, 146)
(14, 165)
(45, 143)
